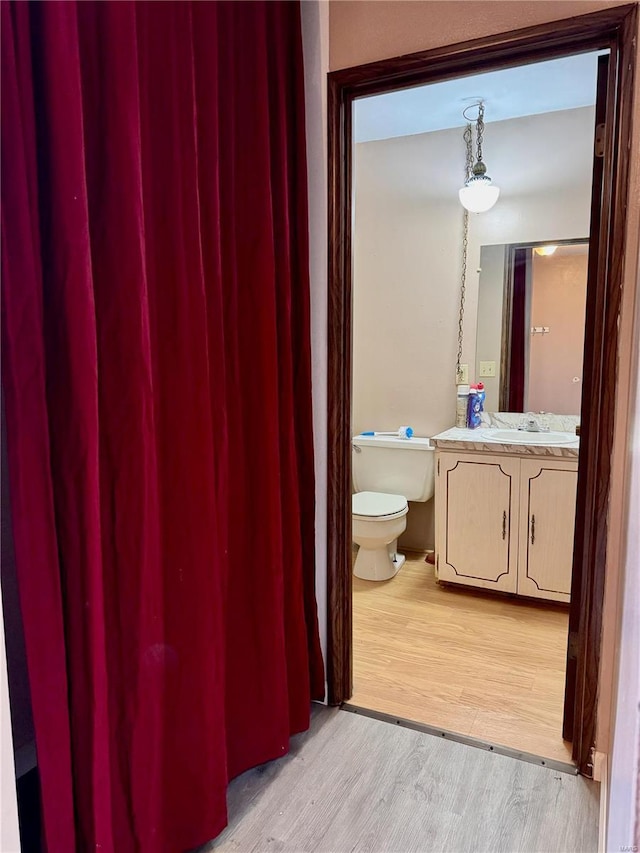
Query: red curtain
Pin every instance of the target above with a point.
(156, 368)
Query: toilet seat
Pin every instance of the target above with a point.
(378, 506)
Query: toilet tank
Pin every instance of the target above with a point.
(398, 466)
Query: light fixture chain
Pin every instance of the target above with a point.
(468, 140)
(480, 130)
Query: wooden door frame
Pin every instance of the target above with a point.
(613, 28)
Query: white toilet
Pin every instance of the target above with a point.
(387, 472)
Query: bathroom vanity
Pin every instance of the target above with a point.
(505, 510)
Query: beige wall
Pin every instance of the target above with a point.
(558, 299)
(367, 30)
(407, 262)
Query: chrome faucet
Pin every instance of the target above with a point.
(530, 423)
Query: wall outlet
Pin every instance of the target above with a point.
(462, 375)
(487, 368)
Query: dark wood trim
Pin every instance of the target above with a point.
(520, 278)
(609, 215)
(505, 339)
(612, 28)
(555, 38)
(571, 723)
(534, 244)
(339, 580)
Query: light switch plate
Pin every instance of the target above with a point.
(487, 368)
(462, 377)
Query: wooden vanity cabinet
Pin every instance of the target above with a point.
(477, 520)
(547, 521)
(506, 522)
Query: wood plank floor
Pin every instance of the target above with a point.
(481, 665)
(357, 785)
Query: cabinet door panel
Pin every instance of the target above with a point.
(478, 521)
(547, 514)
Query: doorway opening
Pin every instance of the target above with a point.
(574, 475)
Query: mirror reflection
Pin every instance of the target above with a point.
(530, 328)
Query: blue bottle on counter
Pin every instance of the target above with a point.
(473, 410)
(481, 394)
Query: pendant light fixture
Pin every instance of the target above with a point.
(478, 194)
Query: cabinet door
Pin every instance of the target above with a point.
(477, 520)
(547, 520)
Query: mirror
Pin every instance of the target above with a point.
(530, 328)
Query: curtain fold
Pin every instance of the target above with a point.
(156, 367)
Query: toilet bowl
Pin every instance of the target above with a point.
(388, 471)
(378, 519)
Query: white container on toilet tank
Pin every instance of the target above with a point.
(387, 472)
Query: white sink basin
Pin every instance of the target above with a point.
(517, 436)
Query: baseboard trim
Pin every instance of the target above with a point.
(599, 765)
(321, 701)
(603, 816)
(550, 763)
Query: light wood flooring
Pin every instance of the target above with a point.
(357, 785)
(473, 663)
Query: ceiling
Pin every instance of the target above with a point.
(541, 87)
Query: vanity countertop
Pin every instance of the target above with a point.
(476, 440)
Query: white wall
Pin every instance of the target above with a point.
(9, 837)
(623, 831)
(407, 247)
(315, 39)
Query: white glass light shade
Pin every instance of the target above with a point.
(545, 251)
(479, 195)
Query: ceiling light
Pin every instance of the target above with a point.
(478, 194)
(545, 251)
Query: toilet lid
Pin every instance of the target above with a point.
(375, 504)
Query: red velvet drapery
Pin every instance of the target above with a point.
(156, 367)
